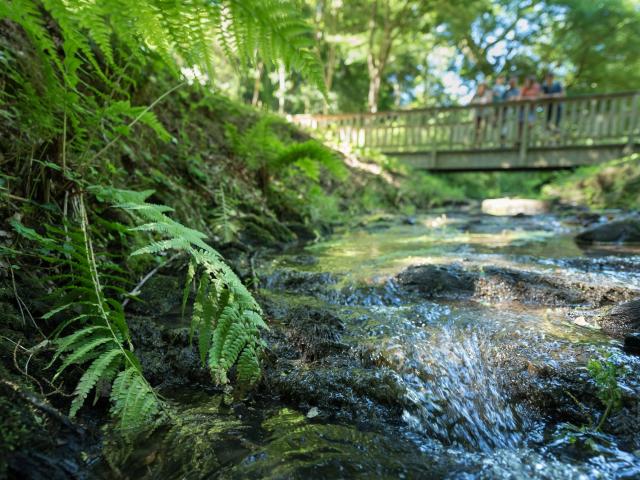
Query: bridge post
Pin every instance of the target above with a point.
(633, 124)
(522, 156)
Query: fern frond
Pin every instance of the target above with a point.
(248, 367)
(133, 401)
(92, 375)
(83, 353)
(225, 215)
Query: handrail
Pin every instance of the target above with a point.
(540, 100)
(518, 125)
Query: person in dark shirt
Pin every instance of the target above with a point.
(552, 89)
(512, 92)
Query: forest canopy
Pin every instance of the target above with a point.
(380, 55)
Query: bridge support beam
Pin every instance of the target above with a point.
(541, 158)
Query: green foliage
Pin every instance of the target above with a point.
(614, 184)
(225, 215)
(265, 153)
(270, 29)
(69, 70)
(606, 374)
(99, 336)
(225, 315)
(425, 190)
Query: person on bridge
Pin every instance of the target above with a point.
(499, 91)
(530, 91)
(511, 93)
(552, 89)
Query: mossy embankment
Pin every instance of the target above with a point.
(614, 184)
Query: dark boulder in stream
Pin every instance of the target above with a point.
(434, 280)
(500, 284)
(623, 230)
(622, 319)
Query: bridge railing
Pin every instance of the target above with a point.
(608, 119)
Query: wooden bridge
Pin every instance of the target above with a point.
(549, 133)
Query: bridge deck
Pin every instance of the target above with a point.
(525, 134)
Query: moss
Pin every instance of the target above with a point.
(17, 425)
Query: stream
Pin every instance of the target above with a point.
(448, 345)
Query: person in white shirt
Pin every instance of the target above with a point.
(482, 98)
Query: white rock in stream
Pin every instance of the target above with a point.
(514, 206)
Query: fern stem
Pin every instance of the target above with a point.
(137, 119)
(604, 415)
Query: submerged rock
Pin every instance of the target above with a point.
(623, 230)
(297, 448)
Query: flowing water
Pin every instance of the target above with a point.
(469, 388)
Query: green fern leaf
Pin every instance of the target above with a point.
(91, 376)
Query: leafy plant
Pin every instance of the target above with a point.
(99, 336)
(225, 315)
(69, 68)
(265, 153)
(225, 215)
(606, 374)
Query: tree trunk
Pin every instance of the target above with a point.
(257, 84)
(375, 80)
(282, 86)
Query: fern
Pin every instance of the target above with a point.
(265, 153)
(102, 342)
(69, 69)
(225, 215)
(225, 315)
(308, 157)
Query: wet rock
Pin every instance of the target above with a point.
(340, 388)
(632, 343)
(309, 366)
(433, 280)
(167, 357)
(625, 230)
(499, 284)
(315, 333)
(160, 295)
(504, 284)
(299, 281)
(33, 443)
(622, 319)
